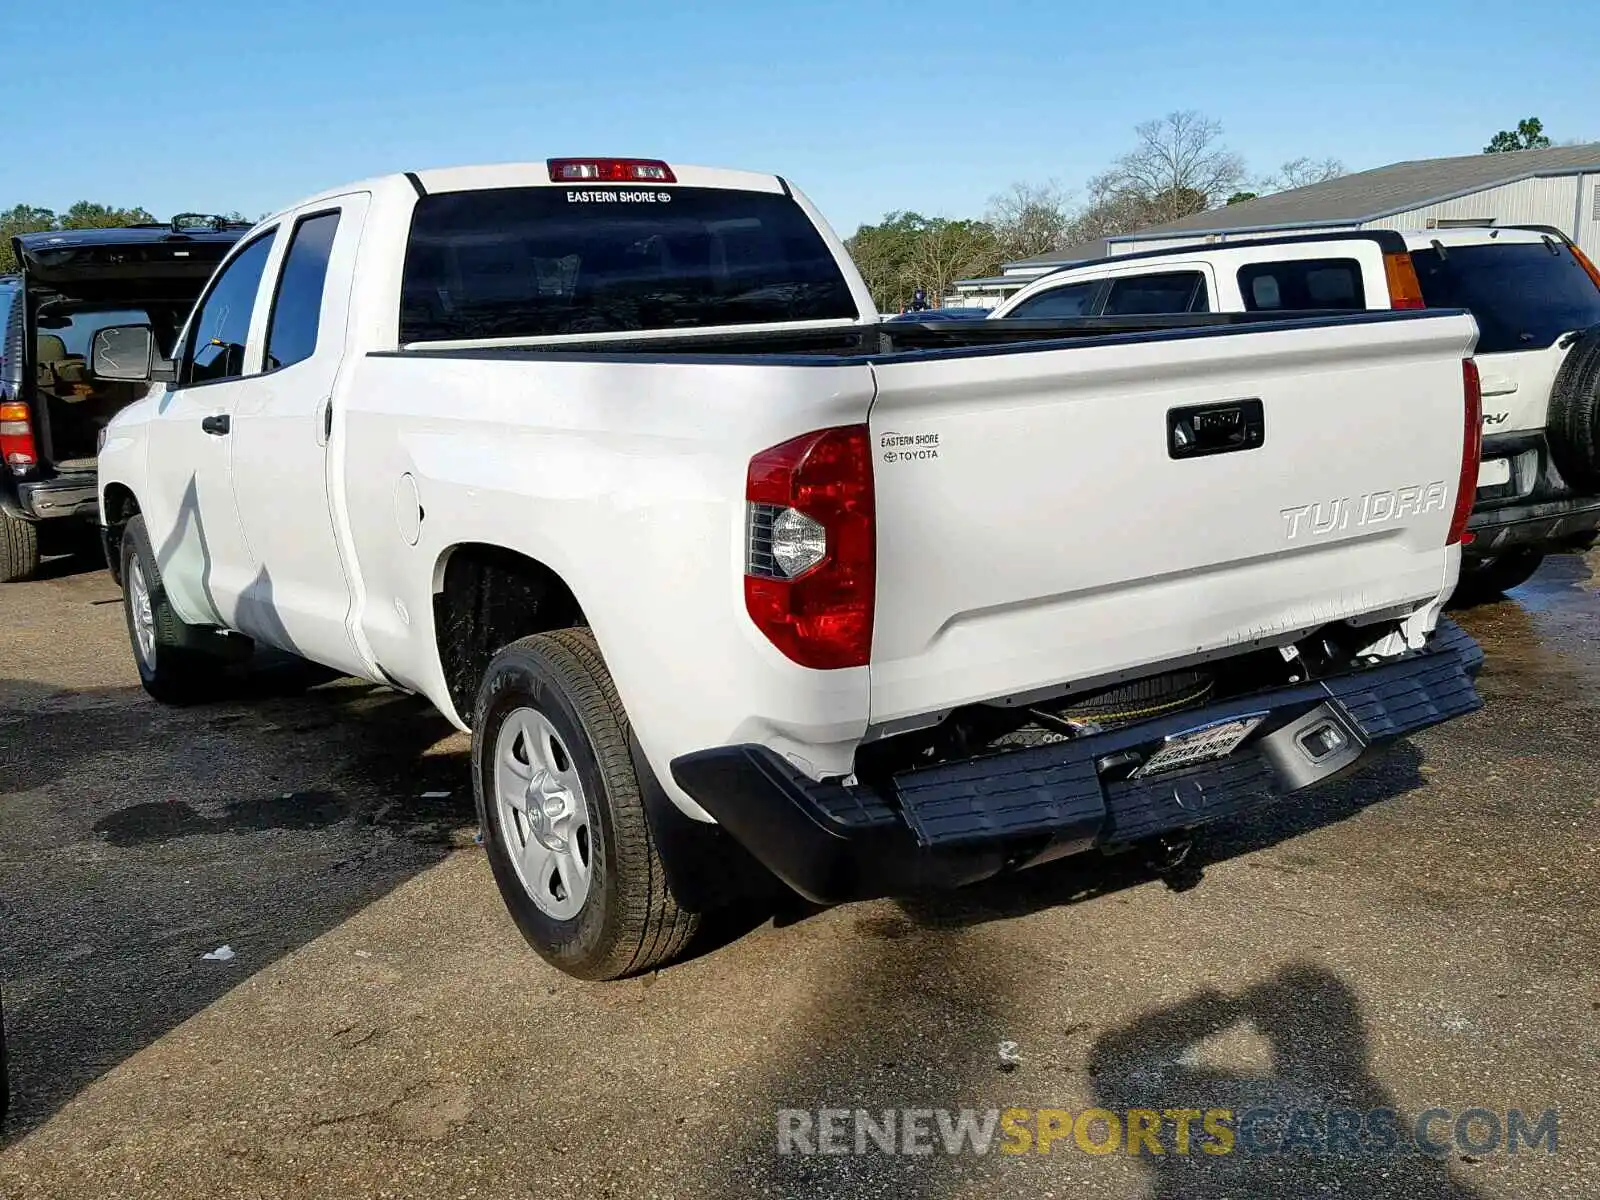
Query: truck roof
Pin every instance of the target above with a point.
(536, 173)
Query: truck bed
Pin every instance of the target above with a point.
(887, 339)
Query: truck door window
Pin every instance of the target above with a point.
(217, 341)
(1070, 300)
(1302, 283)
(297, 307)
(544, 261)
(1174, 292)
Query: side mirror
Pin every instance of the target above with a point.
(127, 353)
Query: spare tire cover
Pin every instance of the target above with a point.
(1573, 426)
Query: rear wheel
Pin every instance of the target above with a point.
(1486, 579)
(19, 548)
(562, 814)
(178, 663)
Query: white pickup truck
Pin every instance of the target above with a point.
(615, 463)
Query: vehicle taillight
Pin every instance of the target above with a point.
(1405, 290)
(610, 170)
(1585, 263)
(1471, 452)
(810, 547)
(17, 449)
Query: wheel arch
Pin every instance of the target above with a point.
(486, 596)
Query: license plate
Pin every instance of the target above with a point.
(1492, 472)
(1201, 744)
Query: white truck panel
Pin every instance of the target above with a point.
(1052, 540)
(628, 481)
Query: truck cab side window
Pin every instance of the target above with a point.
(1070, 300)
(217, 342)
(1146, 295)
(297, 307)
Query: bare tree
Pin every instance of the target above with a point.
(1108, 216)
(949, 250)
(1178, 167)
(1029, 219)
(1301, 172)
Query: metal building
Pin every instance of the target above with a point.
(1559, 186)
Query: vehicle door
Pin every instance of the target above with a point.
(300, 597)
(188, 507)
(1057, 303)
(1175, 289)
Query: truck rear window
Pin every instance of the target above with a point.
(1523, 294)
(1302, 283)
(544, 261)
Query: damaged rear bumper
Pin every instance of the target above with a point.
(960, 822)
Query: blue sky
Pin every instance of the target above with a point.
(931, 105)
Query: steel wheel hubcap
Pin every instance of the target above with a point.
(544, 817)
(144, 618)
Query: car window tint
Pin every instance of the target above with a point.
(541, 261)
(1302, 283)
(1069, 300)
(1174, 292)
(297, 308)
(1523, 294)
(223, 322)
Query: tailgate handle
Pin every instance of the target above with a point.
(1201, 429)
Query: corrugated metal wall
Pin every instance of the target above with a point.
(1570, 203)
(1527, 202)
(1588, 233)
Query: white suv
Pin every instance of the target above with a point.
(1536, 299)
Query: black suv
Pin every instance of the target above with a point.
(74, 283)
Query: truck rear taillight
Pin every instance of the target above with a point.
(610, 170)
(17, 448)
(1405, 290)
(811, 549)
(1471, 452)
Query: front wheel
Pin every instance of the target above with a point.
(177, 665)
(1485, 579)
(563, 819)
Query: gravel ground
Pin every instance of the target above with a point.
(1424, 935)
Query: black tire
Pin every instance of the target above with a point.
(1486, 579)
(19, 548)
(629, 921)
(187, 663)
(1573, 424)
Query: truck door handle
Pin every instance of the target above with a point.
(1200, 429)
(217, 425)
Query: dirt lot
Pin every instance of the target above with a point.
(1425, 935)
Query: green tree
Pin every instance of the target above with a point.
(907, 250)
(24, 218)
(1529, 135)
(87, 215)
(1241, 197)
(30, 218)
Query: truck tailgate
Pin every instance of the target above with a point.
(1035, 530)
